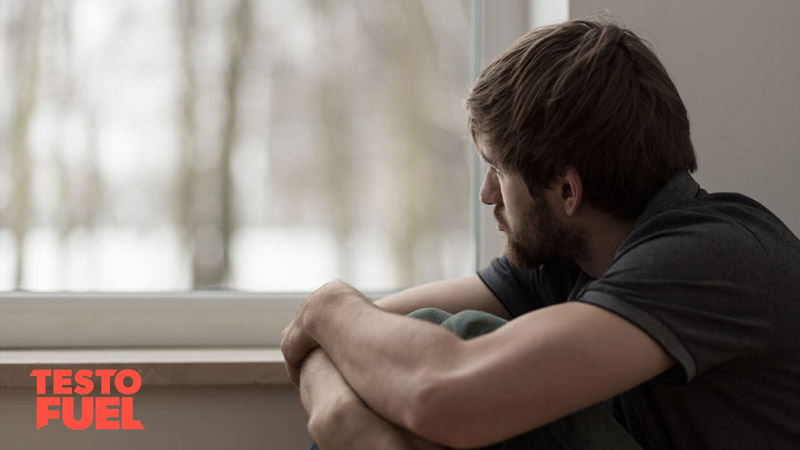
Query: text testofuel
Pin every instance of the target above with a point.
(107, 413)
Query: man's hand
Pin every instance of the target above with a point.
(338, 419)
(297, 342)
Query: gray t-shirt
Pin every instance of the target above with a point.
(714, 279)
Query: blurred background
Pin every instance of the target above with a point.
(269, 145)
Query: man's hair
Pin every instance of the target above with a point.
(590, 95)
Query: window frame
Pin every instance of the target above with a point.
(225, 318)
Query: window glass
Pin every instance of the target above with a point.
(251, 145)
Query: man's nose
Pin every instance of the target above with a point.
(490, 189)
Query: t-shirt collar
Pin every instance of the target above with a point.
(680, 189)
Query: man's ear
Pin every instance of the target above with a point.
(570, 190)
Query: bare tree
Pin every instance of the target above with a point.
(332, 99)
(26, 79)
(185, 199)
(418, 202)
(212, 270)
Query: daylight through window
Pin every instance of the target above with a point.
(251, 145)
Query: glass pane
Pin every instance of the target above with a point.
(253, 145)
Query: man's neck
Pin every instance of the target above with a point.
(603, 234)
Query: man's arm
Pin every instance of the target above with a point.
(538, 368)
(337, 416)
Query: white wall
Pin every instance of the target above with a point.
(737, 66)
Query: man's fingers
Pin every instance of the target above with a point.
(295, 347)
(292, 368)
(294, 375)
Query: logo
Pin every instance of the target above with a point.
(106, 412)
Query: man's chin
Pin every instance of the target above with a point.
(523, 258)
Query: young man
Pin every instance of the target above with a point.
(624, 284)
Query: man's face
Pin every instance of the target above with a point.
(533, 233)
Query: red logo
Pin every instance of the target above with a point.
(107, 413)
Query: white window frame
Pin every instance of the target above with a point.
(224, 318)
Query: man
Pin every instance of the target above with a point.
(624, 283)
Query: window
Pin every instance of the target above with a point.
(263, 146)
(87, 139)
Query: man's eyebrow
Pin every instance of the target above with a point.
(483, 155)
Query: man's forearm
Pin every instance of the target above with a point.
(449, 295)
(368, 344)
(337, 416)
(320, 384)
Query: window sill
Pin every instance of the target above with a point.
(158, 366)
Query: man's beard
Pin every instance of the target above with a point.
(539, 237)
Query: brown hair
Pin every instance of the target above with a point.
(590, 95)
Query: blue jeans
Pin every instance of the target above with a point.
(589, 429)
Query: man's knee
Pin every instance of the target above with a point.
(465, 324)
(434, 315)
(470, 324)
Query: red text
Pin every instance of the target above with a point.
(107, 413)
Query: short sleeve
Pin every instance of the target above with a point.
(523, 290)
(696, 283)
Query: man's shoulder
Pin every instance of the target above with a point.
(710, 246)
(724, 221)
(682, 209)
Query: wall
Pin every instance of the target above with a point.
(212, 418)
(737, 65)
